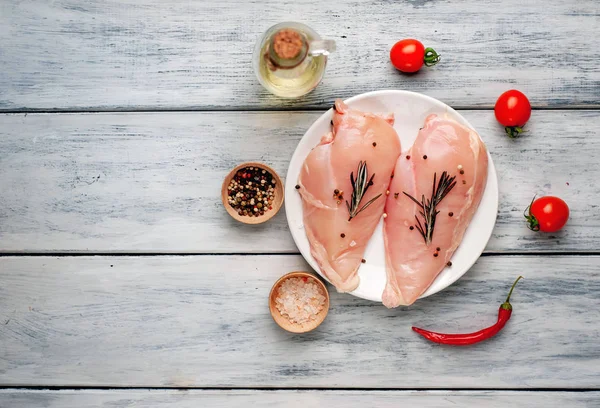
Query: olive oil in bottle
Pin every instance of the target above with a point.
(290, 59)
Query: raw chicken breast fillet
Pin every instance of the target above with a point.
(337, 244)
(411, 264)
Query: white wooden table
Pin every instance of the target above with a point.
(124, 283)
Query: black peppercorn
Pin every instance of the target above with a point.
(424, 157)
(248, 188)
(343, 235)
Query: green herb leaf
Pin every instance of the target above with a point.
(429, 207)
(359, 189)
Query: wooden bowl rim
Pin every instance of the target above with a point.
(277, 202)
(292, 327)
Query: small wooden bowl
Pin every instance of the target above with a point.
(285, 323)
(277, 202)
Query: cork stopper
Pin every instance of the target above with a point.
(287, 44)
(288, 48)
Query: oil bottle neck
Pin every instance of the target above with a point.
(287, 49)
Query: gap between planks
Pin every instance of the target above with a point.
(261, 109)
(274, 389)
(151, 254)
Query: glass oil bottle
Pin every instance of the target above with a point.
(290, 58)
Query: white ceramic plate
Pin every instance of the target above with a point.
(410, 110)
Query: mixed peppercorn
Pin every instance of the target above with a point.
(251, 191)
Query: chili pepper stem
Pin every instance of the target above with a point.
(506, 305)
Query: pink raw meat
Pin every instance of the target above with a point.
(411, 263)
(337, 244)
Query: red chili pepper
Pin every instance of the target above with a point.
(471, 338)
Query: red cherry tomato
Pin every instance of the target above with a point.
(513, 110)
(409, 55)
(547, 214)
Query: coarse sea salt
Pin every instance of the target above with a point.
(300, 299)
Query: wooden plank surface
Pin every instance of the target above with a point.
(173, 54)
(150, 182)
(293, 399)
(203, 321)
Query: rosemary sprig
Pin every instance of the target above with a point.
(428, 206)
(359, 189)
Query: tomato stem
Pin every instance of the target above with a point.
(532, 222)
(513, 131)
(431, 57)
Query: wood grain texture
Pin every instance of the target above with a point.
(293, 399)
(151, 182)
(173, 54)
(203, 321)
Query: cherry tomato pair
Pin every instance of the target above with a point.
(547, 214)
(512, 108)
(409, 55)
